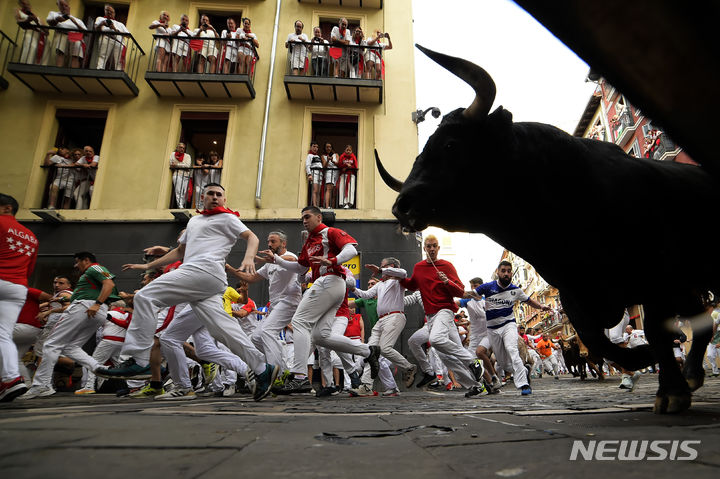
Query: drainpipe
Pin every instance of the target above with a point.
(263, 137)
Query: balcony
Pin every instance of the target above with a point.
(320, 72)
(377, 4)
(342, 194)
(6, 48)
(78, 62)
(665, 148)
(623, 126)
(194, 67)
(188, 182)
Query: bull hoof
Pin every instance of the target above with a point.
(672, 403)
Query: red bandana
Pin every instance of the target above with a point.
(217, 210)
(179, 156)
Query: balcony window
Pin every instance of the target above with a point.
(203, 136)
(76, 61)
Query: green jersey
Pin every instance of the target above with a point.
(90, 284)
(370, 306)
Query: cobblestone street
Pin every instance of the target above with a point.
(418, 434)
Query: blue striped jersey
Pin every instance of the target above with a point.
(499, 302)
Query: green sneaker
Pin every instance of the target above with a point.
(147, 392)
(210, 371)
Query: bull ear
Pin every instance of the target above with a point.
(471, 74)
(387, 177)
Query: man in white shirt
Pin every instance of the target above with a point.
(285, 295)
(64, 176)
(634, 337)
(180, 162)
(340, 37)
(62, 19)
(180, 46)
(297, 54)
(85, 178)
(200, 281)
(108, 44)
(391, 317)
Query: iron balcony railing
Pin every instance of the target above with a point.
(314, 59)
(621, 123)
(7, 45)
(202, 55)
(343, 193)
(188, 182)
(82, 49)
(68, 186)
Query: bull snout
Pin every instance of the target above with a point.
(407, 210)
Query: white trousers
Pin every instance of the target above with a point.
(73, 329)
(313, 321)
(346, 189)
(106, 349)
(444, 337)
(504, 343)
(385, 334)
(347, 362)
(203, 292)
(416, 342)
(551, 364)
(181, 181)
(107, 48)
(12, 299)
(712, 355)
(184, 325)
(266, 336)
(24, 336)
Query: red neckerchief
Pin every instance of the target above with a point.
(247, 31)
(342, 32)
(179, 156)
(217, 210)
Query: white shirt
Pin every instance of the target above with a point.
(336, 35)
(310, 161)
(297, 50)
(186, 161)
(635, 338)
(208, 240)
(66, 24)
(283, 286)
(390, 293)
(477, 317)
(317, 50)
(100, 22)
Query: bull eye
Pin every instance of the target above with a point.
(451, 146)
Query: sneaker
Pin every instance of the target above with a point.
(126, 370)
(426, 379)
(409, 375)
(12, 389)
(228, 391)
(250, 380)
(37, 392)
(438, 386)
(475, 391)
(391, 393)
(210, 371)
(264, 381)
(373, 361)
(477, 369)
(295, 386)
(83, 391)
(179, 394)
(634, 379)
(355, 380)
(526, 390)
(327, 391)
(626, 382)
(363, 390)
(556, 376)
(496, 384)
(490, 389)
(147, 392)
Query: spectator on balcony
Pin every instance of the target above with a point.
(215, 163)
(246, 53)
(356, 54)
(340, 38)
(297, 52)
(32, 34)
(108, 44)
(208, 173)
(314, 172)
(319, 53)
(180, 163)
(346, 185)
(330, 163)
(180, 46)
(208, 54)
(163, 46)
(63, 176)
(72, 40)
(85, 177)
(374, 65)
(230, 47)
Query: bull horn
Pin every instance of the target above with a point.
(387, 177)
(471, 74)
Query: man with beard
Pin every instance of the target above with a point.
(500, 297)
(285, 294)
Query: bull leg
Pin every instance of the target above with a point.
(702, 333)
(673, 394)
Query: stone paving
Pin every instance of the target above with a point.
(418, 434)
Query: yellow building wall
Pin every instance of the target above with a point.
(133, 180)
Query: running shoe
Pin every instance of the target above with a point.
(85, 391)
(327, 391)
(626, 382)
(355, 380)
(264, 381)
(373, 361)
(147, 392)
(426, 379)
(475, 391)
(477, 369)
(295, 386)
(12, 389)
(634, 379)
(179, 394)
(526, 390)
(409, 375)
(391, 393)
(210, 371)
(37, 392)
(363, 390)
(128, 369)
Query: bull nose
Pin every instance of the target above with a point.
(403, 205)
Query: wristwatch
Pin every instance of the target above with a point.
(99, 303)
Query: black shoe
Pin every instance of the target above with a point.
(328, 391)
(373, 361)
(474, 391)
(355, 380)
(264, 381)
(426, 379)
(295, 386)
(437, 386)
(477, 369)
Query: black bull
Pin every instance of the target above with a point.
(612, 231)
